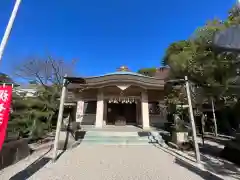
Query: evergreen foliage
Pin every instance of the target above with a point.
(147, 71)
(35, 116)
(211, 72)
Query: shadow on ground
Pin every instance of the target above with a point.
(211, 158)
(32, 168)
(65, 145)
(204, 174)
(182, 160)
(221, 141)
(210, 155)
(210, 150)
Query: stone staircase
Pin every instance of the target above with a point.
(121, 138)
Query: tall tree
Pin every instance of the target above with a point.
(46, 71)
(147, 71)
(197, 58)
(37, 113)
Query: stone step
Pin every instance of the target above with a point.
(151, 137)
(133, 138)
(114, 138)
(121, 140)
(108, 133)
(114, 133)
(116, 141)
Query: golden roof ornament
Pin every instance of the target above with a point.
(123, 68)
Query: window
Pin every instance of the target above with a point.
(90, 107)
(154, 108)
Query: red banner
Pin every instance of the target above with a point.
(5, 105)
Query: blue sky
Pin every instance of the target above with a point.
(103, 34)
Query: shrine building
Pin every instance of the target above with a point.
(120, 98)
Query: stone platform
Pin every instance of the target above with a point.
(113, 128)
(120, 135)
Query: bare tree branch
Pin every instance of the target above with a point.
(47, 71)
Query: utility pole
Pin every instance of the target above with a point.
(9, 28)
(194, 134)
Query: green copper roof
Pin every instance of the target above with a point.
(122, 73)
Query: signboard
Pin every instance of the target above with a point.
(5, 106)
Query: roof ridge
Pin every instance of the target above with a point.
(122, 73)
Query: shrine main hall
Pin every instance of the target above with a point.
(120, 98)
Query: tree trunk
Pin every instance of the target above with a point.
(50, 122)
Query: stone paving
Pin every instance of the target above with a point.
(99, 162)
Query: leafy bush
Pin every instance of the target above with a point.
(33, 116)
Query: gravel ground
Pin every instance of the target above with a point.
(101, 162)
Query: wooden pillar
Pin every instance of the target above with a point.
(80, 111)
(145, 110)
(100, 110)
(105, 113)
